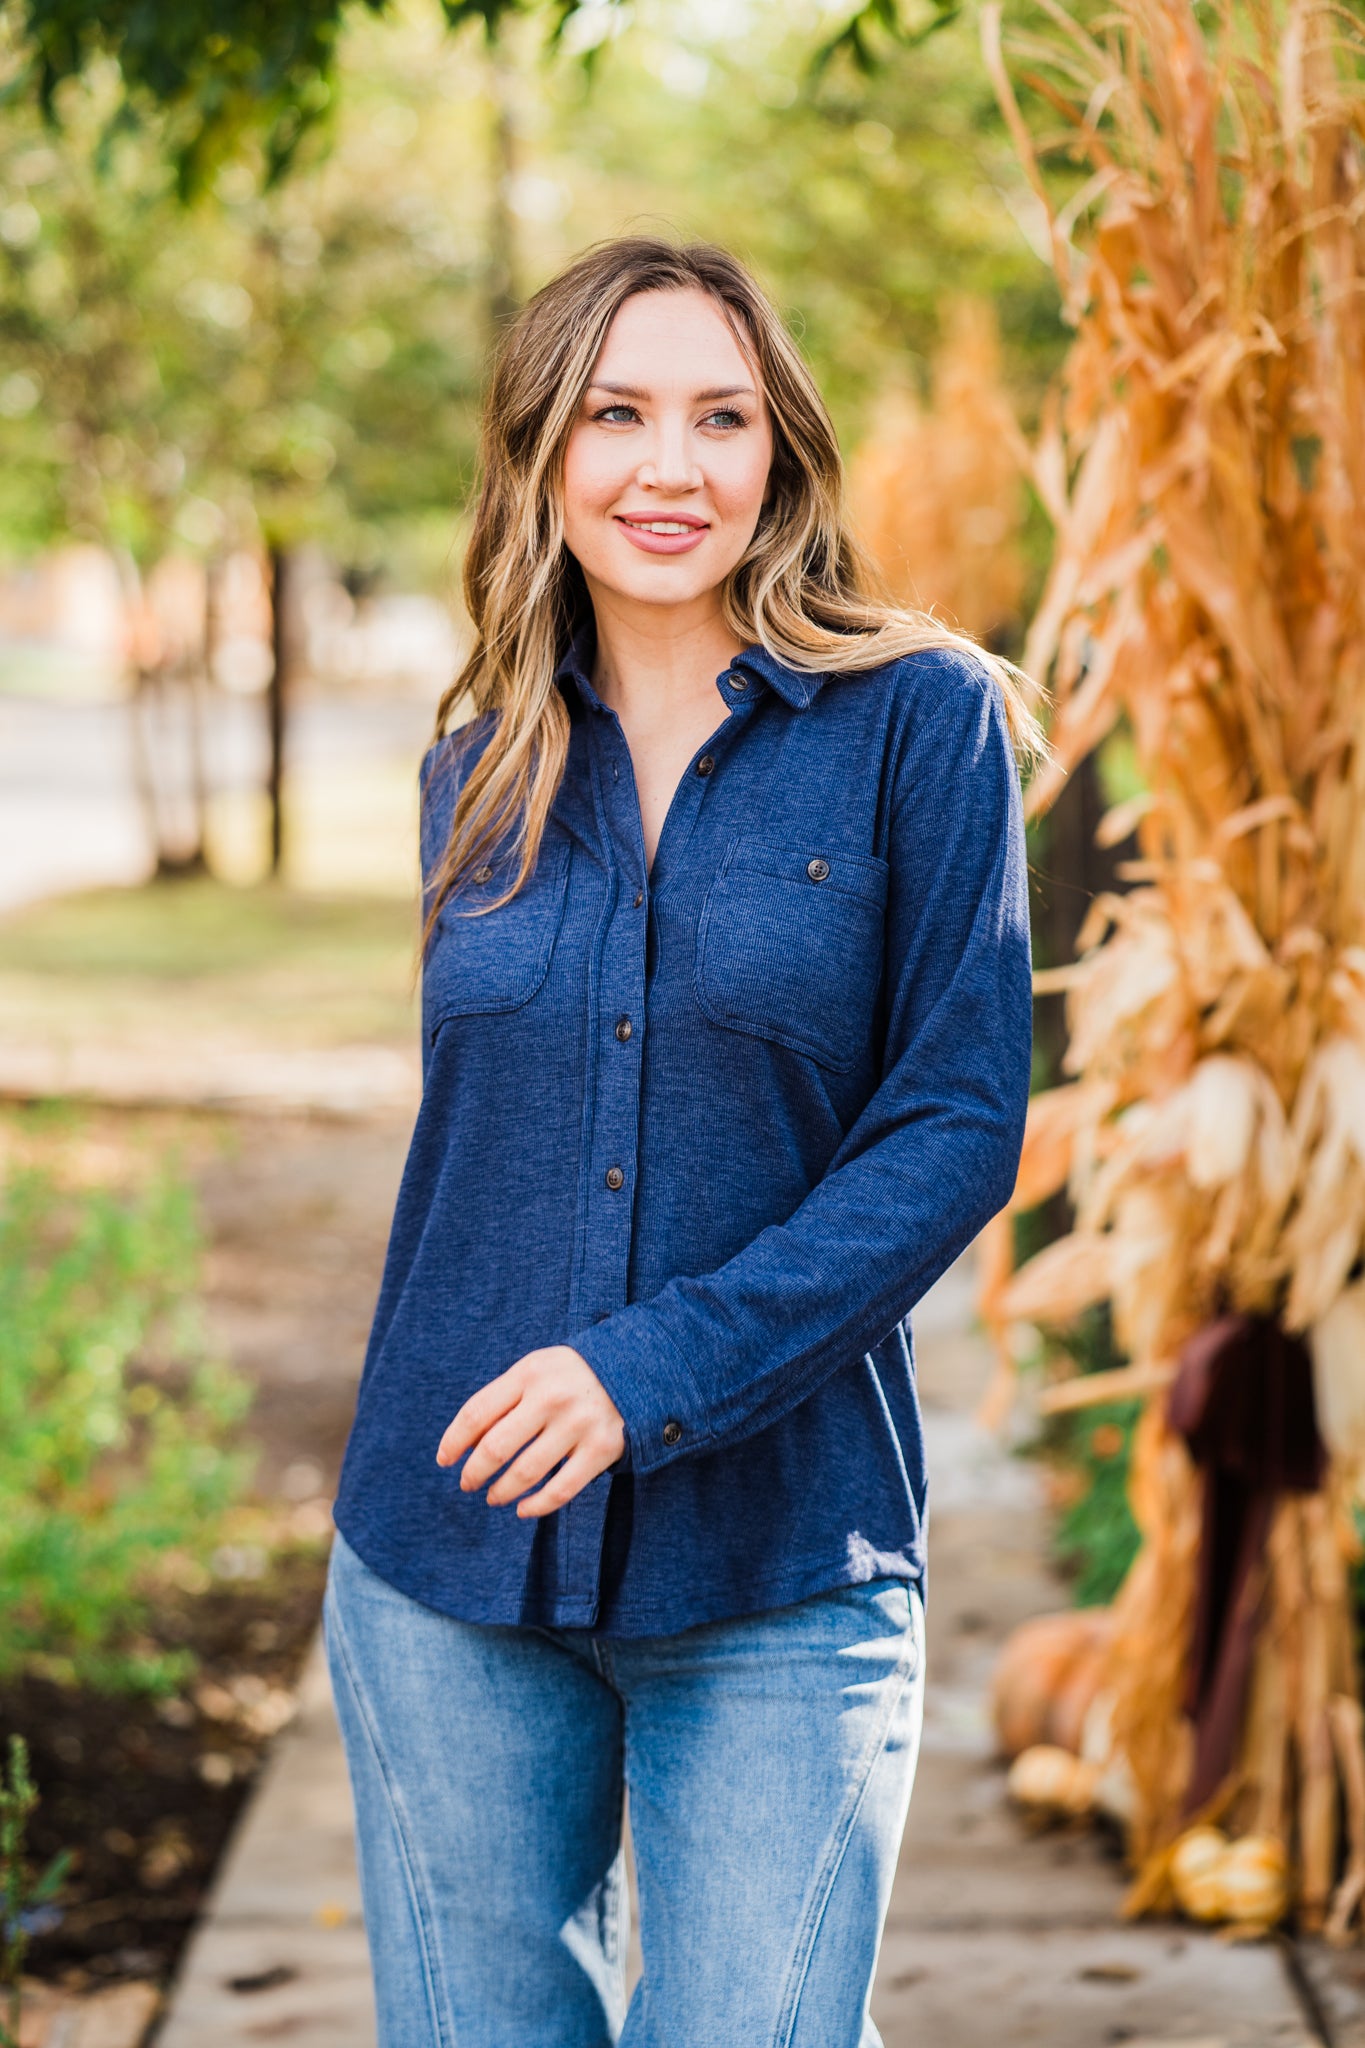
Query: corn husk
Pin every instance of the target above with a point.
(938, 492)
(1203, 461)
(1337, 1342)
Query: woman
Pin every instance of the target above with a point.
(726, 1027)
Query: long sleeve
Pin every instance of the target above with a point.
(713, 1358)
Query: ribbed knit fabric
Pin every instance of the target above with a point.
(718, 1127)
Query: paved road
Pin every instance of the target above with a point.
(69, 817)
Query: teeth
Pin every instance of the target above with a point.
(659, 526)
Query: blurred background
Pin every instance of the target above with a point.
(243, 332)
(246, 306)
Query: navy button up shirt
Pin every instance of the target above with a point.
(718, 1127)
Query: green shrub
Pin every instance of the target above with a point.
(116, 1427)
(23, 1896)
(1096, 1538)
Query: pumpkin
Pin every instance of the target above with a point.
(1046, 1678)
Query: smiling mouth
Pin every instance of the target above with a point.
(668, 527)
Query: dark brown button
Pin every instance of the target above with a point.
(706, 764)
(623, 1028)
(639, 898)
(672, 1433)
(817, 869)
(615, 1178)
(484, 874)
(738, 682)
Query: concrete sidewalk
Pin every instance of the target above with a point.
(996, 1938)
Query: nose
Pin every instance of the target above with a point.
(670, 464)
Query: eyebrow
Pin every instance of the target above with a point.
(716, 391)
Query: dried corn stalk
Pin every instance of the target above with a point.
(1204, 464)
(938, 494)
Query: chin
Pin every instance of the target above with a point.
(667, 583)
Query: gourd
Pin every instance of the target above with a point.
(1052, 1780)
(1196, 1866)
(1245, 1882)
(1046, 1679)
(1255, 1881)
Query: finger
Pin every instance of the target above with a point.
(540, 1456)
(579, 1471)
(479, 1413)
(501, 1442)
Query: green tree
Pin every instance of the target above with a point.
(217, 70)
(275, 366)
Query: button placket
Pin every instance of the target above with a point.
(612, 1134)
(692, 785)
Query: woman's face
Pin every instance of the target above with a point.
(667, 463)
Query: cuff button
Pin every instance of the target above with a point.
(672, 1433)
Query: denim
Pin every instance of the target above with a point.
(769, 1762)
(718, 1126)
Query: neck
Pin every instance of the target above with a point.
(654, 658)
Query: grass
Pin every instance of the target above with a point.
(268, 964)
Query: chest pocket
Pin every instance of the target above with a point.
(494, 962)
(790, 947)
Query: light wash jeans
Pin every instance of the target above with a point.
(769, 1762)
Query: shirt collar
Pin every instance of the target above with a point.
(797, 687)
(575, 663)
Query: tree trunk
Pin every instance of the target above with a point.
(277, 700)
(501, 279)
(165, 715)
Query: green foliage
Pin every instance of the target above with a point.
(291, 365)
(22, 1896)
(304, 361)
(215, 70)
(116, 1426)
(1096, 1537)
(878, 24)
(862, 201)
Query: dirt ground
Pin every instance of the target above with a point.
(297, 1213)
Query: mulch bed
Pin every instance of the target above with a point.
(144, 1793)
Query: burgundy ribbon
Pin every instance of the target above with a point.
(1242, 1399)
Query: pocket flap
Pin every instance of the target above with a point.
(790, 947)
(494, 960)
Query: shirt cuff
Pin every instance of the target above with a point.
(651, 1384)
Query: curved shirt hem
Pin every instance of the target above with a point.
(802, 1582)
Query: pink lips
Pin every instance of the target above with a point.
(666, 543)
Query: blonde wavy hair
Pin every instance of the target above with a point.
(804, 589)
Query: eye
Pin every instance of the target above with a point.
(727, 418)
(618, 415)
